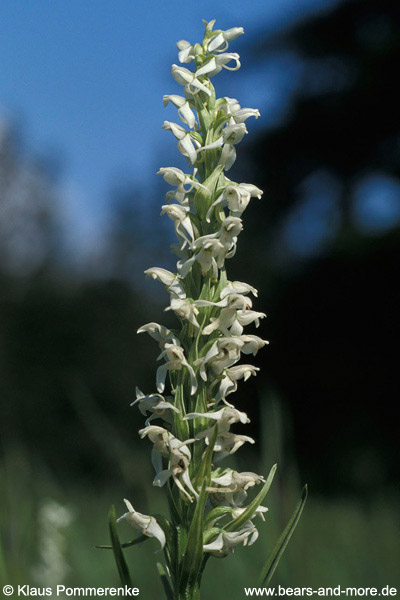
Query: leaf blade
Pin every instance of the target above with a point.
(275, 556)
(117, 548)
(137, 540)
(204, 473)
(194, 549)
(165, 582)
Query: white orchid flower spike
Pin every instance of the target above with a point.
(203, 354)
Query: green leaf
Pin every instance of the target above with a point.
(138, 540)
(173, 507)
(118, 554)
(215, 514)
(223, 280)
(209, 25)
(181, 540)
(166, 526)
(170, 535)
(181, 427)
(250, 510)
(209, 343)
(165, 581)
(203, 566)
(204, 473)
(204, 198)
(194, 549)
(276, 554)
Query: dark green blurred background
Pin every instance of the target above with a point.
(322, 248)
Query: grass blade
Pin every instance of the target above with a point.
(165, 582)
(3, 572)
(138, 540)
(276, 554)
(117, 548)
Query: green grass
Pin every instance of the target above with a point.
(338, 541)
(335, 542)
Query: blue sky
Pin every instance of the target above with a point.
(86, 80)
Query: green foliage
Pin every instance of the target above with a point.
(273, 560)
(203, 474)
(344, 540)
(118, 553)
(165, 582)
(138, 540)
(3, 573)
(194, 548)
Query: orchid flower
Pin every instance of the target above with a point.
(185, 113)
(259, 512)
(217, 63)
(175, 361)
(144, 523)
(230, 304)
(214, 248)
(234, 133)
(158, 332)
(185, 310)
(186, 51)
(175, 176)
(224, 417)
(228, 156)
(225, 541)
(167, 445)
(237, 113)
(252, 344)
(241, 115)
(211, 257)
(156, 404)
(236, 198)
(243, 319)
(232, 486)
(170, 280)
(238, 287)
(179, 462)
(224, 352)
(182, 222)
(189, 80)
(219, 43)
(226, 442)
(185, 140)
(230, 378)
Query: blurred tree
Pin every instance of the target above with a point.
(27, 236)
(69, 355)
(138, 237)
